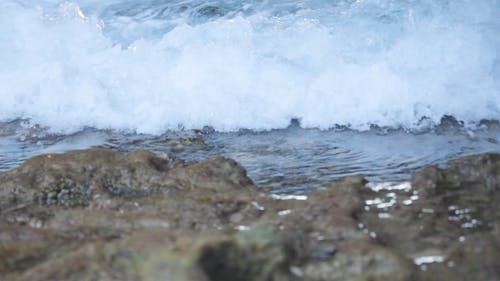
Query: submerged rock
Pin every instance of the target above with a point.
(98, 214)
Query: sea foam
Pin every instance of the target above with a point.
(158, 65)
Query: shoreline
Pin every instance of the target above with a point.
(98, 214)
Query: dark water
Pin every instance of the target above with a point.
(288, 160)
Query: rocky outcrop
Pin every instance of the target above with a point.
(71, 179)
(99, 214)
(447, 221)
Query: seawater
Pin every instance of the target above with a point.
(291, 160)
(157, 65)
(379, 88)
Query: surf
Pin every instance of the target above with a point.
(167, 65)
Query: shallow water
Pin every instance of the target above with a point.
(288, 160)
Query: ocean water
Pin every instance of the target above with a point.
(290, 160)
(379, 87)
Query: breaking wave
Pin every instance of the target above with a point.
(150, 66)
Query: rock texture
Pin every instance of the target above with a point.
(98, 214)
(454, 217)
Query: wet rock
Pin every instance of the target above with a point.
(98, 214)
(471, 172)
(445, 207)
(98, 194)
(206, 130)
(217, 173)
(362, 262)
(73, 178)
(489, 123)
(449, 123)
(256, 254)
(357, 255)
(477, 257)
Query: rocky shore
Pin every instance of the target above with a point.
(98, 214)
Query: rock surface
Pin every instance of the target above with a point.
(98, 214)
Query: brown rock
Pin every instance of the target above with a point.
(98, 214)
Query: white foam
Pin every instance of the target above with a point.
(284, 212)
(68, 66)
(406, 186)
(288, 197)
(428, 259)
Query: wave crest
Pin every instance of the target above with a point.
(359, 64)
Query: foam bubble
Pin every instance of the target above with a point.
(151, 67)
